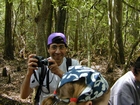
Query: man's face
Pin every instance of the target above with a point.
(57, 51)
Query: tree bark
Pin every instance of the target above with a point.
(61, 16)
(110, 21)
(41, 22)
(8, 50)
(118, 30)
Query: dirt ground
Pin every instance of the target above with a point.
(16, 70)
(10, 85)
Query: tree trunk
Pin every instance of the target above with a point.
(8, 50)
(118, 30)
(49, 25)
(61, 16)
(110, 21)
(77, 31)
(41, 21)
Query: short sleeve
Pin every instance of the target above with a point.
(33, 81)
(123, 96)
(75, 62)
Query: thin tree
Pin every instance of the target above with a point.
(8, 47)
(40, 20)
(60, 16)
(118, 30)
(110, 21)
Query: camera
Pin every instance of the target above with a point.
(42, 61)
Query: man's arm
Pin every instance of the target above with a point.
(122, 96)
(25, 87)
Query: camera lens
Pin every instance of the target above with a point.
(45, 61)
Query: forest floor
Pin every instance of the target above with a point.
(16, 70)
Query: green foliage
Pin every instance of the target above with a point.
(91, 16)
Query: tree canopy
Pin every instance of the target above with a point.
(108, 28)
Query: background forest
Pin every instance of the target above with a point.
(99, 32)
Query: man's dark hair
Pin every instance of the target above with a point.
(136, 66)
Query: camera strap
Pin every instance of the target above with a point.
(48, 81)
(68, 62)
(42, 75)
(36, 76)
(41, 79)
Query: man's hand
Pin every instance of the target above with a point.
(32, 64)
(54, 68)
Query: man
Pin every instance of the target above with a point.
(126, 90)
(57, 48)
